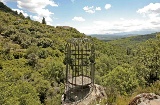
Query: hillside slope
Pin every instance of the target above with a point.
(32, 70)
(31, 59)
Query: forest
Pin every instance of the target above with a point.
(32, 71)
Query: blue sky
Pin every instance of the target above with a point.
(94, 16)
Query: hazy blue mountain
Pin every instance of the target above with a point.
(107, 37)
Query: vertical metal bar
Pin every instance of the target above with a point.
(86, 57)
(78, 58)
(93, 63)
(82, 64)
(66, 61)
(66, 56)
(72, 46)
(93, 67)
(87, 68)
(70, 54)
(92, 79)
(75, 61)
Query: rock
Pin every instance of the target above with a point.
(146, 99)
(97, 93)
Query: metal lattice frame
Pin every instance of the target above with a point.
(80, 65)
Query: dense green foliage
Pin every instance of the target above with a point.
(32, 70)
(31, 60)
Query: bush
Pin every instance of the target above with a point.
(17, 55)
(43, 53)
(9, 32)
(45, 42)
(1, 29)
(122, 78)
(32, 59)
(1, 67)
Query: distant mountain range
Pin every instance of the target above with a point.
(109, 37)
(130, 33)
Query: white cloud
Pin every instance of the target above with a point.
(36, 18)
(122, 26)
(107, 6)
(38, 7)
(91, 9)
(151, 22)
(121, 18)
(78, 19)
(151, 10)
(18, 10)
(98, 8)
(4, 1)
(112, 27)
(86, 8)
(152, 13)
(106, 27)
(44, 13)
(32, 5)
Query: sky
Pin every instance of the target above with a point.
(94, 16)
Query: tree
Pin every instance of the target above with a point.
(28, 18)
(43, 21)
(22, 93)
(148, 58)
(21, 15)
(122, 78)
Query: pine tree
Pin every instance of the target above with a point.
(28, 18)
(43, 21)
(21, 15)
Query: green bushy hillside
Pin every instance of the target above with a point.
(32, 70)
(31, 59)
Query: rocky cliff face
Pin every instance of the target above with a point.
(146, 99)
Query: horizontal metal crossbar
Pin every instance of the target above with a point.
(80, 54)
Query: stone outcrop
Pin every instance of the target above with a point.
(146, 99)
(97, 92)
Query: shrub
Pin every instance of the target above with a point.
(32, 59)
(122, 78)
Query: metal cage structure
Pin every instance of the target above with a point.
(80, 68)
